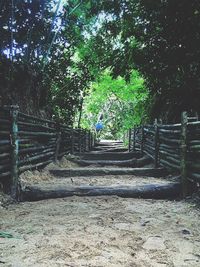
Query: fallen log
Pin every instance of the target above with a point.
(151, 172)
(119, 163)
(109, 155)
(151, 191)
(107, 144)
(107, 148)
(112, 144)
(113, 150)
(117, 150)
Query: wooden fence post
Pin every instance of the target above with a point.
(15, 186)
(183, 153)
(129, 139)
(156, 144)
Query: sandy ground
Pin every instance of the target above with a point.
(45, 179)
(100, 231)
(111, 180)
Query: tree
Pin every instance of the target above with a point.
(39, 42)
(159, 38)
(60, 50)
(122, 104)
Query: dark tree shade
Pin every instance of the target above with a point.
(161, 39)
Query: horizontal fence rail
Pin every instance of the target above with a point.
(28, 142)
(173, 146)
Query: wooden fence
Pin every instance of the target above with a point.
(173, 146)
(28, 142)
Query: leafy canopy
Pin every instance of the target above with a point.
(122, 104)
(59, 54)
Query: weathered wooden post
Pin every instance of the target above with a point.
(15, 186)
(183, 153)
(58, 141)
(156, 144)
(129, 139)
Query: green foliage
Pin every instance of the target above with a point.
(38, 47)
(52, 57)
(122, 104)
(159, 38)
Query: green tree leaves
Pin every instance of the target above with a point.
(60, 54)
(122, 104)
(162, 40)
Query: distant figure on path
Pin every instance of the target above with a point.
(98, 128)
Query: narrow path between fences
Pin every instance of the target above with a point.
(93, 226)
(97, 204)
(29, 143)
(109, 169)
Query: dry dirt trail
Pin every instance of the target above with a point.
(88, 228)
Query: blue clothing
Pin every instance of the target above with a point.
(99, 126)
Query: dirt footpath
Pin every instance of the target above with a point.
(100, 232)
